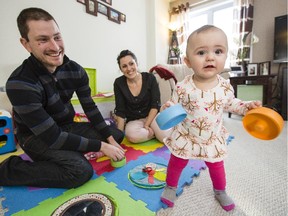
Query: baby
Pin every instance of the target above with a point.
(205, 96)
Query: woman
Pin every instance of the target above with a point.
(137, 98)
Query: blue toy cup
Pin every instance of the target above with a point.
(171, 116)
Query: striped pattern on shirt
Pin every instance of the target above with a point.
(42, 104)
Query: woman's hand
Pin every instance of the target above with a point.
(120, 122)
(151, 132)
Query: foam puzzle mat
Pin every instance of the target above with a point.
(107, 180)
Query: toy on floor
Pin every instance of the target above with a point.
(171, 116)
(117, 164)
(88, 204)
(96, 155)
(263, 123)
(7, 139)
(149, 176)
(93, 155)
(81, 117)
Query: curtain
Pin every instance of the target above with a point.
(243, 28)
(179, 18)
(183, 32)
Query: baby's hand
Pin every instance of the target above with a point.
(166, 105)
(254, 104)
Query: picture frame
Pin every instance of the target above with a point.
(236, 71)
(81, 1)
(123, 17)
(91, 7)
(107, 1)
(114, 15)
(103, 9)
(252, 69)
(264, 68)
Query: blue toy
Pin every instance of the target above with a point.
(7, 139)
(171, 116)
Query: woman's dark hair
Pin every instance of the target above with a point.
(124, 53)
(31, 14)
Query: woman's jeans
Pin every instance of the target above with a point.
(50, 167)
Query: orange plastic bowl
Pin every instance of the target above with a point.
(263, 123)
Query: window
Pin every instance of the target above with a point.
(219, 14)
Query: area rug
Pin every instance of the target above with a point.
(113, 183)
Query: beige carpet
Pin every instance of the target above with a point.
(256, 173)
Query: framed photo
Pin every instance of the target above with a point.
(91, 7)
(264, 68)
(103, 9)
(114, 15)
(236, 71)
(123, 18)
(252, 69)
(107, 1)
(81, 1)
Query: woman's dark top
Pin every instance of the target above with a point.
(136, 107)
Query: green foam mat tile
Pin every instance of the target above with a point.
(125, 204)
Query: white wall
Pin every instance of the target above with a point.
(263, 27)
(162, 39)
(92, 41)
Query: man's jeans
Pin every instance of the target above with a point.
(50, 167)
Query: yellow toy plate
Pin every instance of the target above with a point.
(263, 123)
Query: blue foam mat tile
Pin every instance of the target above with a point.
(149, 196)
(183, 182)
(26, 198)
(29, 196)
(120, 177)
(165, 153)
(229, 139)
(164, 206)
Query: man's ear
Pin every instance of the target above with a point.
(187, 62)
(25, 43)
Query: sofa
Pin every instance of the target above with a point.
(179, 71)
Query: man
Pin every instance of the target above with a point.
(40, 91)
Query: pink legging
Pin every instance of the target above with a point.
(176, 166)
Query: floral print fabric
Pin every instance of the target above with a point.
(202, 134)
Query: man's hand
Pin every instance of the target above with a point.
(114, 152)
(113, 142)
